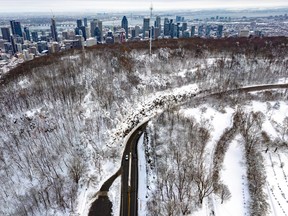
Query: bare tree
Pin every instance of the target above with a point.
(77, 168)
(224, 192)
(204, 182)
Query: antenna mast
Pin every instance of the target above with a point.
(151, 9)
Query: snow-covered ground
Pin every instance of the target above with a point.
(234, 176)
(84, 107)
(234, 170)
(142, 181)
(277, 182)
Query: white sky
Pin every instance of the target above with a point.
(128, 5)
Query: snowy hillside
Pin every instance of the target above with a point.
(220, 157)
(63, 120)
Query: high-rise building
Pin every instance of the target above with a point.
(79, 23)
(16, 28)
(77, 31)
(97, 34)
(192, 31)
(178, 30)
(27, 34)
(133, 35)
(96, 23)
(184, 26)
(178, 18)
(13, 43)
(83, 29)
(200, 30)
(93, 25)
(157, 32)
(137, 30)
(6, 33)
(8, 47)
(146, 25)
(166, 27)
(35, 37)
(208, 31)
(171, 28)
(158, 22)
(219, 31)
(65, 35)
(85, 22)
(54, 33)
(124, 25)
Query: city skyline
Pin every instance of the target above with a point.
(129, 5)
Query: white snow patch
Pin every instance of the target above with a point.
(142, 180)
(277, 182)
(24, 83)
(234, 176)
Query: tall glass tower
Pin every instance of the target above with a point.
(124, 24)
(54, 30)
(16, 28)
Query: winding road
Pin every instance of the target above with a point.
(129, 164)
(129, 180)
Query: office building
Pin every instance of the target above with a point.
(137, 30)
(97, 34)
(171, 28)
(13, 44)
(219, 31)
(208, 31)
(146, 25)
(178, 30)
(96, 23)
(178, 18)
(186, 34)
(16, 28)
(79, 23)
(166, 27)
(184, 27)
(192, 31)
(157, 32)
(6, 33)
(200, 30)
(84, 34)
(124, 25)
(93, 25)
(35, 37)
(54, 33)
(85, 22)
(8, 47)
(65, 35)
(158, 22)
(27, 34)
(133, 35)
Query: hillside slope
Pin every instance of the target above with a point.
(64, 117)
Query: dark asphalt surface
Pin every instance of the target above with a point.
(129, 202)
(101, 207)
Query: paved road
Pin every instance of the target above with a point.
(129, 167)
(129, 179)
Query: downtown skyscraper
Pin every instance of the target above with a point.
(54, 33)
(124, 25)
(16, 28)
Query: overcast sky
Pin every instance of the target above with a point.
(128, 5)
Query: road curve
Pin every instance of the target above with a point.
(129, 168)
